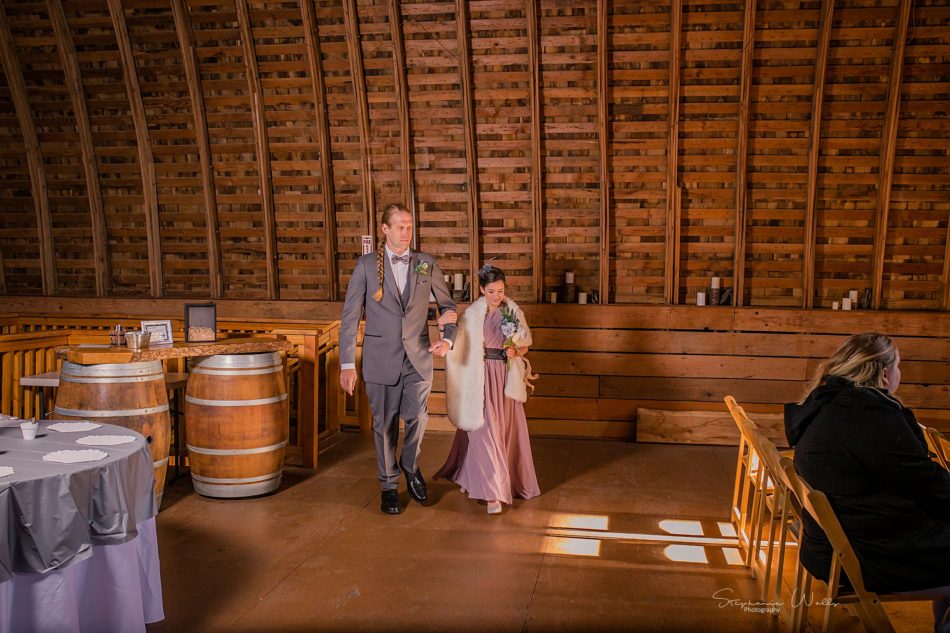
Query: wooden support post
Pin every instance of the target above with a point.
(97, 214)
(888, 151)
(143, 146)
(355, 54)
(262, 147)
(402, 104)
(315, 60)
(946, 271)
(671, 285)
(603, 129)
(537, 173)
(468, 125)
(308, 400)
(742, 151)
(34, 158)
(186, 41)
(814, 150)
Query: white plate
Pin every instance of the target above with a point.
(105, 440)
(75, 457)
(73, 427)
(5, 471)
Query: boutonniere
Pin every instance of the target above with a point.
(422, 268)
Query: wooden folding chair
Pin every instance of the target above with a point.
(938, 445)
(866, 604)
(748, 485)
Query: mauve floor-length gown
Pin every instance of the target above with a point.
(494, 462)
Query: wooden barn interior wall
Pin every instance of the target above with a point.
(240, 148)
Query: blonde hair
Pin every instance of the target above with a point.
(861, 359)
(388, 214)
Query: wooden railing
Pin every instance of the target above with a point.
(28, 343)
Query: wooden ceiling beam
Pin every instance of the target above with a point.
(318, 83)
(742, 152)
(671, 285)
(34, 157)
(143, 147)
(814, 151)
(892, 121)
(189, 55)
(77, 97)
(401, 83)
(357, 73)
(468, 125)
(537, 165)
(262, 147)
(603, 135)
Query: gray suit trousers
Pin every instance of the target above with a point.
(407, 399)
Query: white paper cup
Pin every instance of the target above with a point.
(28, 429)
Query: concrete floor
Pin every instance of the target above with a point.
(588, 555)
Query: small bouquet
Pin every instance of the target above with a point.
(510, 326)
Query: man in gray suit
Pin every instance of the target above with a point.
(392, 288)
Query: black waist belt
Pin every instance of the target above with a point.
(495, 353)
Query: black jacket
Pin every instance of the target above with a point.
(866, 452)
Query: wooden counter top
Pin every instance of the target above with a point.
(102, 354)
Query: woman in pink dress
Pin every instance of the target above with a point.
(486, 384)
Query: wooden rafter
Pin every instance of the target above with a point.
(888, 151)
(402, 105)
(262, 146)
(814, 151)
(186, 41)
(315, 61)
(742, 152)
(143, 146)
(603, 134)
(34, 158)
(537, 175)
(355, 54)
(97, 214)
(671, 285)
(468, 124)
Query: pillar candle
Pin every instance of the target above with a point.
(700, 298)
(834, 305)
(553, 297)
(715, 282)
(582, 297)
(459, 281)
(569, 277)
(853, 295)
(846, 303)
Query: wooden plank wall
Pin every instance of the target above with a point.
(598, 364)
(619, 140)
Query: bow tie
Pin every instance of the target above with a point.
(395, 259)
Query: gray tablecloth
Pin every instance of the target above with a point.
(52, 514)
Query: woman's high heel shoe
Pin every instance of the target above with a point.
(494, 507)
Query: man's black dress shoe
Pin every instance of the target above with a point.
(390, 503)
(416, 484)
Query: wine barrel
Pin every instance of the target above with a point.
(236, 424)
(132, 395)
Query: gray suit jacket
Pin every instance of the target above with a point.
(392, 330)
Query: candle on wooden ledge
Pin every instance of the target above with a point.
(846, 303)
(459, 281)
(715, 282)
(835, 305)
(853, 296)
(553, 297)
(569, 277)
(582, 297)
(700, 298)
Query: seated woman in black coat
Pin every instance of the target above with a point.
(858, 444)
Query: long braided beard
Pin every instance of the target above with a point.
(380, 268)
